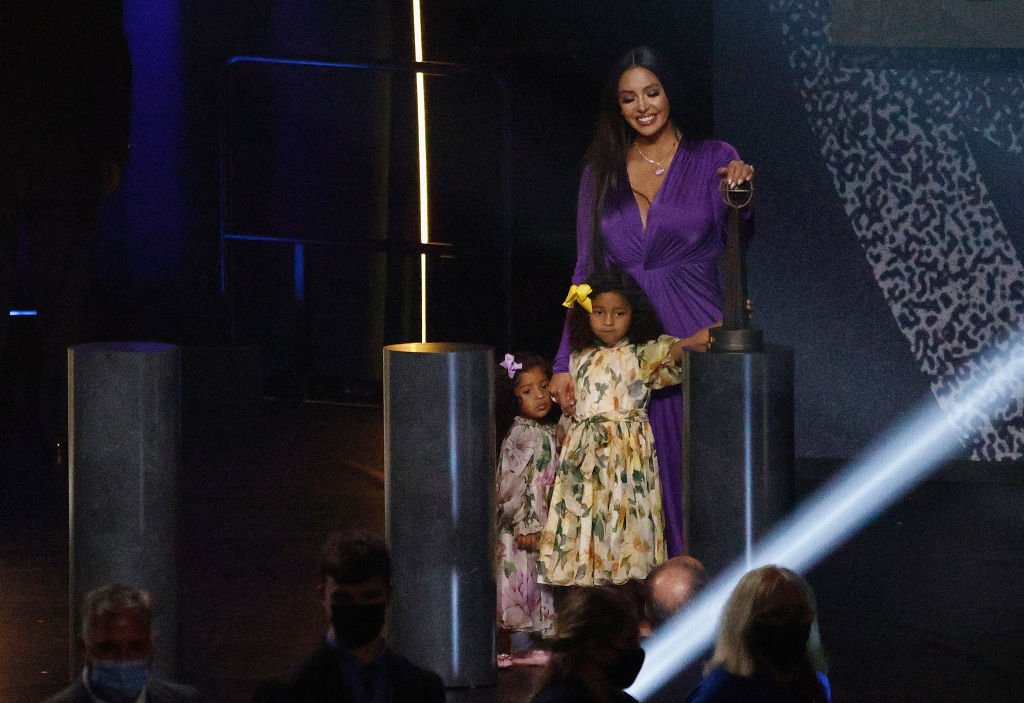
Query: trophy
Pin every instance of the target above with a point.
(738, 451)
(736, 334)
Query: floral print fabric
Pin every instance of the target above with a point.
(526, 472)
(605, 523)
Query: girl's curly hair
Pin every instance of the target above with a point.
(506, 404)
(645, 325)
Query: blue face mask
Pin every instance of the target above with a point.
(118, 681)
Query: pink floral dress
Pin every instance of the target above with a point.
(526, 471)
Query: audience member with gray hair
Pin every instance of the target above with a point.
(117, 639)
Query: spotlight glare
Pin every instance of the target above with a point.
(873, 482)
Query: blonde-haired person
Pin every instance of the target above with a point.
(768, 648)
(595, 652)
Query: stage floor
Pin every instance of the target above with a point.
(924, 605)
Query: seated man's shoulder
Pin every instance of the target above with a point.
(75, 693)
(323, 661)
(411, 682)
(318, 677)
(156, 692)
(170, 692)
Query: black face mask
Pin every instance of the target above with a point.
(782, 645)
(624, 667)
(356, 624)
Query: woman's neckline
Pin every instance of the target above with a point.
(645, 220)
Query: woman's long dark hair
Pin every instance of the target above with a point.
(645, 325)
(613, 137)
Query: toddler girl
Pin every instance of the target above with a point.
(605, 522)
(525, 473)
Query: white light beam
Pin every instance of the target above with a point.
(873, 482)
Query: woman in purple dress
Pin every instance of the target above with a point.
(649, 204)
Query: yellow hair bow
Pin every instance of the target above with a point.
(579, 294)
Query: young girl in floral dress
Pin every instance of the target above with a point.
(605, 522)
(525, 473)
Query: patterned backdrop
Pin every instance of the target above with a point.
(896, 141)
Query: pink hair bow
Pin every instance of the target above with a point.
(510, 365)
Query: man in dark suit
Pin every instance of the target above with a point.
(118, 643)
(353, 663)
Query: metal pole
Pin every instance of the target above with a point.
(439, 484)
(124, 414)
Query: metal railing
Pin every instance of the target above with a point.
(396, 245)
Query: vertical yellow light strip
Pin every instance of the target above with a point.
(421, 127)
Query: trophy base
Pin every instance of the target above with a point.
(745, 340)
(738, 457)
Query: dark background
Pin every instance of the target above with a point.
(325, 156)
(921, 605)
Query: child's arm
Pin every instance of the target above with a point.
(662, 361)
(677, 349)
(699, 341)
(524, 453)
(517, 452)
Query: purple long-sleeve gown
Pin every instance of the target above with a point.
(674, 261)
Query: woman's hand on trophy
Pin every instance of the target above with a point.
(563, 392)
(736, 172)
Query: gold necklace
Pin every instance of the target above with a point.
(658, 168)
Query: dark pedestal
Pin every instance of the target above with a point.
(439, 482)
(125, 454)
(738, 467)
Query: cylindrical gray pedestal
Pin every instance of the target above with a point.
(737, 451)
(124, 418)
(439, 483)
